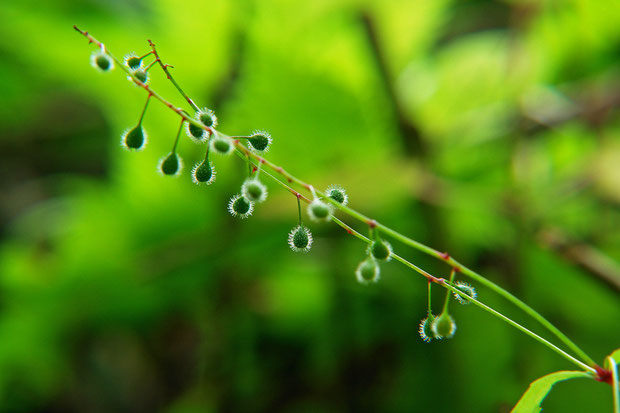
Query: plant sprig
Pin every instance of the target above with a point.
(251, 156)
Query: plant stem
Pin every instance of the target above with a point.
(430, 308)
(520, 327)
(357, 215)
(148, 99)
(170, 78)
(433, 252)
(448, 294)
(176, 140)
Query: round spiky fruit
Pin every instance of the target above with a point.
(338, 194)
(319, 211)
(443, 326)
(260, 141)
(170, 164)
(132, 61)
(196, 132)
(239, 206)
(101, 61)
(367, 271)
(254, 190)
(300, 239)
(467, 290)
(141, 75)
(221, 145)
(207, 117)
(134, 139)
(425, 331)
(203, 173)
(380, 250)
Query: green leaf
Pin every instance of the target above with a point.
(538, 390)
(615, 355)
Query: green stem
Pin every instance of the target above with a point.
(448, 294)
(148, 99)
(520, 327)
(430, 308)
(299, 209)
(145, 55)
(442, 256)
(356, 215)
(150, 65)
(176, 140)
(451, 289)
(171, 79)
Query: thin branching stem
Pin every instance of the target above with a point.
(248, 155)
(165, 67)
(518, 326)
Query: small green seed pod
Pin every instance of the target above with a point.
(134, 139)
(132, 61)
(171, 164)
(203, 173)
(101, 61)
(197, 134)
(254, 190)
(367, 271)
(300, 239)
(467, 289)
(260, 141)
(141, 75)
(221, 145)
(443, 326)
(338, 194)
(239, 206)
(425, 330)
(319, 211)
(380, 250)
(207, 117)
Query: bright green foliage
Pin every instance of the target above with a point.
(532, 399)
(110, 275)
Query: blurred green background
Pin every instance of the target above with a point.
(488, 129)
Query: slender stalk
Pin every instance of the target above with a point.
(520, 327)
(148, 99)
(433, 252)
(357, 215)
(133, 77)
(430, 308)
(448, 294)
(176, 140)
(165, 67)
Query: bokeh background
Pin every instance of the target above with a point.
(488, 129)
